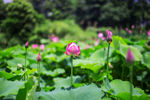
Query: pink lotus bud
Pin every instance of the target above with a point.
(129, 31)
(109, 36)
(133, 26)
(34, 46)
(126, 29)
(42, 47)
(39, 58)
(26, 44)
(54, 38)
(130, 56)
(72, 49)
(148, 32)
(97, 42)
(100, 35)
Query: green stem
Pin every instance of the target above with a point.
(38, 68)
(131, 81)
(107, 66)
(71, 71)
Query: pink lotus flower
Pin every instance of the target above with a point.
(109, 36)
(130, 56)
(100, 35)
(126, 29)
(103, 38)
(129, 31)
(54, 38)
(34, 46)
(72, 49)
(39, 57)
(97, 42)
(148, 32)
(42, 47)
(133, 26)
(26, 44)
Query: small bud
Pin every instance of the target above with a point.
(26, 44)
(148, 32)
(39, 58)
(130, 56)
(34, 46)
(109, 36)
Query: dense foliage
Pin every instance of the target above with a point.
(89, 69)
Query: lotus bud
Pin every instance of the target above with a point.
(26, 44)
(130, 56)
(72, 49)
(39, 57)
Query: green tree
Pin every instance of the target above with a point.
(20, 20)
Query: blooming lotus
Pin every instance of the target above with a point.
(133, 26)
(129, 56)
(100, 35)
(34, 46)
(26, 44)
(72, 49)
(126, 29)
(54, 38)
(148, 32)
(39, 58)
(42, 47)
(129, 31)
(109, 36)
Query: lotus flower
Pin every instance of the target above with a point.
(100, 35)
(54, 38)
(26, 44)
(39, 57)
(109, 36)
(97, 42)
(34, 46)
(133, 26)
(42, 47)
(7, 1)
(126, 29)
(72, 49)
(148, 32)
(129, 56)
(129, 31)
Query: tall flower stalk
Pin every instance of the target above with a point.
(38, 68)
(26, 47)
(109, 40)
(130, 60)
(73, 50)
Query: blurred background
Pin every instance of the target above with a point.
(81, 20)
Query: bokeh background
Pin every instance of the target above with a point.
(81, 20)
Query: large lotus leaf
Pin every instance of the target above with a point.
(121, 89)
(116, 40)
(14, 62)
(146, 59)
(28, 92)
(9, 87)
(124, 49)
(64, 82)
(53, 73)
(101, 55)
(90, 92)
(93, 65)
(4, 74)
